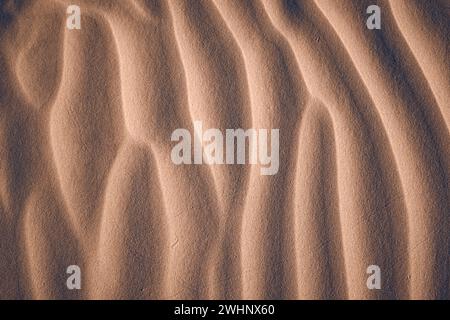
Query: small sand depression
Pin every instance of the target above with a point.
(88, 185)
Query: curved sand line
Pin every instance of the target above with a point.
(317, 222)
(358, 149)
(428, 47)
(425, 175)
(275, 90)
(86, 176)
(218, 96)
(133, 204)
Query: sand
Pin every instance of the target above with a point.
(86, 176)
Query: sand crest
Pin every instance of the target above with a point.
(87, 178)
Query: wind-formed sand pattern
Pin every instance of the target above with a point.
(86, 176)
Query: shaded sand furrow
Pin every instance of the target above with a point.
(8, 199)
(36, 70)
(8, 266)
(417, 134)
(275, 91)
(87, 179)
(29, 174)
(133, 231)
(368, 200)
(151, 114)
(431, 50)
(317, 224)
(5, 188)
(218, 96)
(49, 247)
(86, 122)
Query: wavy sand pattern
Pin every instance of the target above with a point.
(86, 176)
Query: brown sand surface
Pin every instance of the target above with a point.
(86, 176)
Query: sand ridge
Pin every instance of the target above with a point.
(86, 176)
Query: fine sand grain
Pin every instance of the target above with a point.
(87, 179)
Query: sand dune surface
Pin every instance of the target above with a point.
(87, 178)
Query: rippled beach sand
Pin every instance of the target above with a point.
(87, 179)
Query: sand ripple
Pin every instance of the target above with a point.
(86, 176)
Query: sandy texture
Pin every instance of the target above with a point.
(86, 176)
